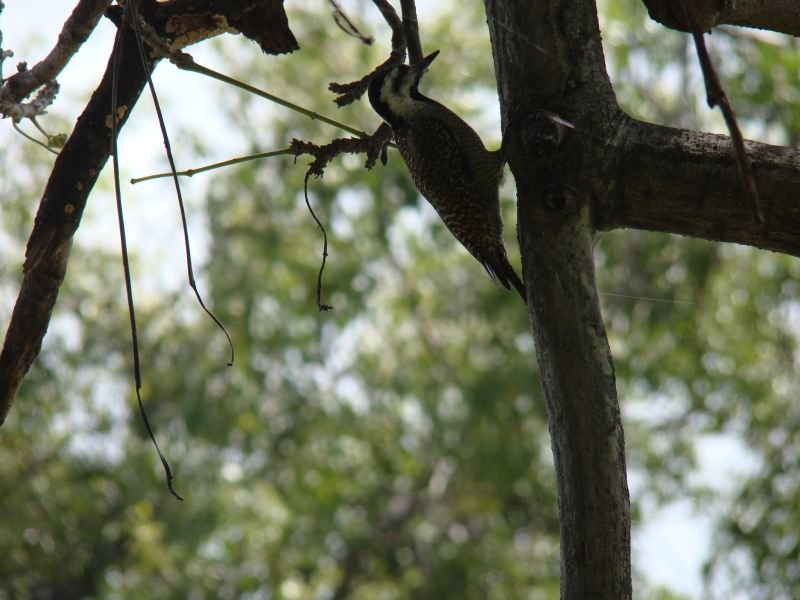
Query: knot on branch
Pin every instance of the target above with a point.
(373, 146)
(542, 132)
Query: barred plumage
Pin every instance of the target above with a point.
(449, 165)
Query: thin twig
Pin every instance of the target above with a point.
(218, 165)
(715, 96)
(346, 24)
(187, 63)
(320, 304)
(178, 193)
(649, 299)
(76, 30)
(137, 373)
(31, 138)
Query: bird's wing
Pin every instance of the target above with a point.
(447, 145)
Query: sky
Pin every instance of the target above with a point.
(673, 542)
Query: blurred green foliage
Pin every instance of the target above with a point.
(397, 446)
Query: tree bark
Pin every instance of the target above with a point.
(548, 56)
(605, 170)
(686, 182)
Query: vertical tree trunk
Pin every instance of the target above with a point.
(548, 58)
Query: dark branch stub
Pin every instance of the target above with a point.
(542, 132)
(706, 14)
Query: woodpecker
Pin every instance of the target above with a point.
(449, 164)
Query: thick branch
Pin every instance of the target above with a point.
(687, 182)
(782, 16)
(74, 174)
(548, 55)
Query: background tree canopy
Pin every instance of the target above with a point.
(396, 447)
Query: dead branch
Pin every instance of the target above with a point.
(350, 92)
(715, 96)
(373, 146)
(346, 24)
(74, 174)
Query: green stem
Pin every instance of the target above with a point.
(219, 165)
(186, 63)
(33, 139)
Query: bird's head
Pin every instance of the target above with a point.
(394, 93)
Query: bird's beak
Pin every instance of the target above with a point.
(423, 65)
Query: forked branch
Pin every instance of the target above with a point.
(76, 30)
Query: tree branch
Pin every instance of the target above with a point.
(696, 188)
(374, 146)
(782, 16)
(74, 174)
(411, 28)
(87, 150)
(75, 32)
(350, 92)
(548, 54)
(263, 21)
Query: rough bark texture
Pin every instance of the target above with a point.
(686, 182)
(609, 171)
(548, 55)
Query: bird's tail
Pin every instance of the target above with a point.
(501, 271)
